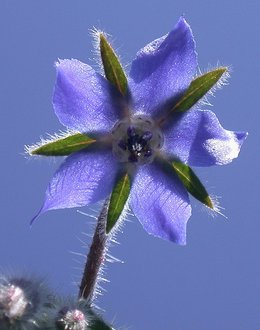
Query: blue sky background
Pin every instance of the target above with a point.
(214, 281)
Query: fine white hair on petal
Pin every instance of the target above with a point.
(223, 81)
(224, 151)
(152, 47)
(217, 208)
(120, 222)
(95, 33)
(50, 138)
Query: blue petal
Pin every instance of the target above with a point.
(163, 69)
(83, 178)
(161, 203)
(83, 99)
(197, 138)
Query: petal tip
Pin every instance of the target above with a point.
(183, 21)
(58, 63)
(37, 216)
(183, 24)
(182, 242)
(241, 136)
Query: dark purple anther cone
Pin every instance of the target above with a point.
(131, 131)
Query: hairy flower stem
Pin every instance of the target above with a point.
(95, 258)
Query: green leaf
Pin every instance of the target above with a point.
(192, 183)
(63, 146)
(198, 88)
(112, 67)
(118, 199)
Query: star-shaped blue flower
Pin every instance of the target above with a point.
(136, 132)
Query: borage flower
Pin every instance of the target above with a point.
(137, 136)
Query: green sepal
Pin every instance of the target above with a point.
(118, 199)
(63, 146)
(192, 183)
(112, 67)
(198, 88)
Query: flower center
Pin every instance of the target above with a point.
(136, 140)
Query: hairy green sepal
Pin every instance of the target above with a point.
(192, 183)
(198, 88)
(63, 146)
(112, 67)
(118, 199)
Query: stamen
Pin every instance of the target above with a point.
(148, 153)
(147, 136)
(131, 131)
(135, 140)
